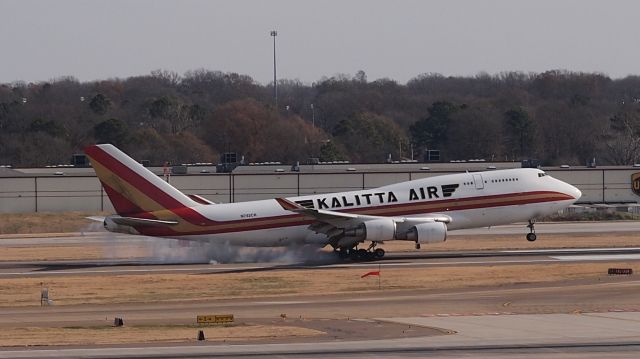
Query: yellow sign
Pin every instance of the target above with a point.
(215, 319)
(635, 183)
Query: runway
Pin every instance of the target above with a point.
(619, 350)
(592, 335)
(590, 316)
(489, 330)
(393, 260)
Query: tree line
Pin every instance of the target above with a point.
(557, 117)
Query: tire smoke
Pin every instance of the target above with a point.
(183, 251)
(153, 250)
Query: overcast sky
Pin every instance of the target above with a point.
(41, 40)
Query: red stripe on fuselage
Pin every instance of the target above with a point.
(185, 212)
(393, 211)
(557, 197)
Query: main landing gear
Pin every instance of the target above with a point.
(531, 236)
(371, 253)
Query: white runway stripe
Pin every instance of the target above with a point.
(602, 257)
(572, 250)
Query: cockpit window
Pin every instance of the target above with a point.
(541, 174)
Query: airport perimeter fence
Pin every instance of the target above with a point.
(50, 193)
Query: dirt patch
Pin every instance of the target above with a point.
(32, 336)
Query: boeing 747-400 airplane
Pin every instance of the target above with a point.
(420, 211)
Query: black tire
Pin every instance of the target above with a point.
(378, 253)
(362, 254)
(531, 237)
(343, 253)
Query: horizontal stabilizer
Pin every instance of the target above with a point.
(131, 221)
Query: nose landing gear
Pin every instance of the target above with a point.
(531, 236)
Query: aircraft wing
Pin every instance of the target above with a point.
(332, 223)
(320, 214)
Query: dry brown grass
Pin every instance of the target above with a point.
(96, 289)
(69, 252)
(49, 253)
(31, 336)
(44, 222)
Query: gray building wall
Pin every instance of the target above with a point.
(82, 192)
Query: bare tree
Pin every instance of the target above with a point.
(623, 143)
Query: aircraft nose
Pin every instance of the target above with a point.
(574, 192)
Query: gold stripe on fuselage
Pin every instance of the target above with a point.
(125, 189)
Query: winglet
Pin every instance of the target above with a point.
(288, 205)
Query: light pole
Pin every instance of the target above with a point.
(274, 33)
(313, 116)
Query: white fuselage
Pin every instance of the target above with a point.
(471, 200)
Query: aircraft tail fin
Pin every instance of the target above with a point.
(130, 186)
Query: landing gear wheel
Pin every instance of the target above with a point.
(378, 253)
(362, 254)
(343, 253)
(531, 236)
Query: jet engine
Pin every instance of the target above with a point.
(376, 230)
(430, 232)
